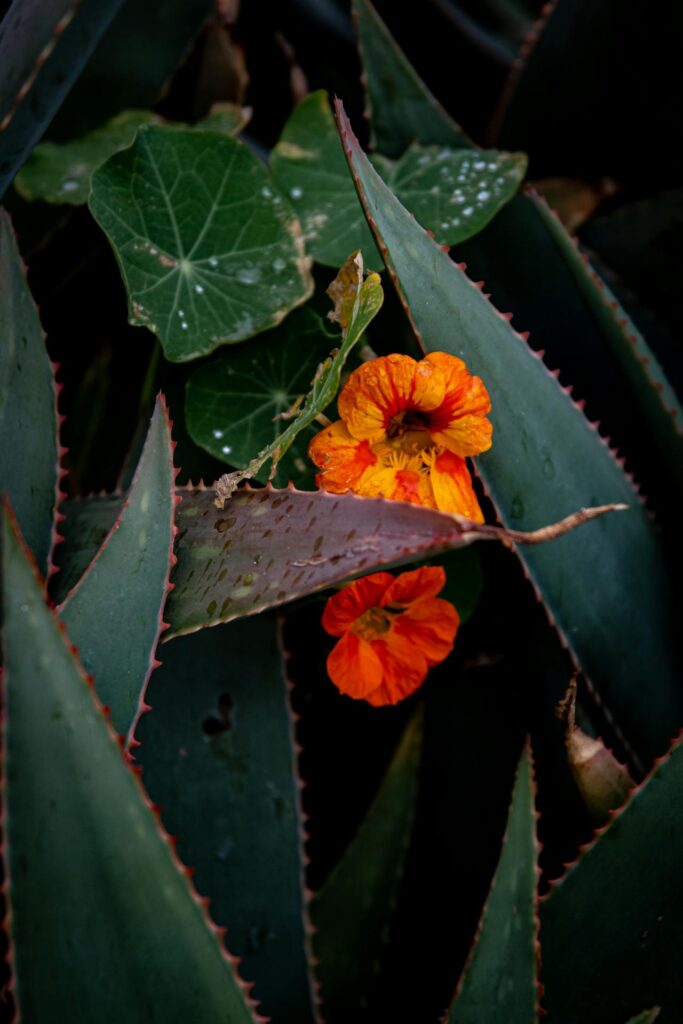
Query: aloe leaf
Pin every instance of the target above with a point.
(86, 524)
(545, 459)
(609, 947)
(83, 851)
(234, 404)
(210, 253)
(113, 614)
(218, 755)
(352, 910)
(266, 547)
(450, 192)
(133, 63)
(500, 979)
(43, 47)
(29, 454)
(400, 106)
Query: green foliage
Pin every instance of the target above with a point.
(85, 850)
(207, 258)
(28, 405)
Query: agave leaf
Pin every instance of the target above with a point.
(267, 547)
(234, 404)
(29, 453)
(218, 755)
(400, 106)
(103, 923)
(207, 258)
(500, 979)
(354, 907)
(609, 948)
(43, 47)
(113, 614)
(87, 521)
(545, 459)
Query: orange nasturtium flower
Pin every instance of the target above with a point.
(406, 428)
(391, 630)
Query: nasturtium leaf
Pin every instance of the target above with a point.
(546, 459)
(28, 405)
(353, 910)
(229, 118)
(452, 192)
(218, 754)
(500, 980)
(61, 173)
(233, 403)
(308, 165)
(611, 927)
(103, 923)
(209, 251)
(123, 591)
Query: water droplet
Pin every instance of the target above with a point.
(483, 196)
(249, 275)
(226, 449)
(455, 221)
(517, 508)
(479, 165)
(181, 312)
(279, 264)
(69, 186)
(199, 289)
(424, 159)
(468, 211)
(266, 192)
(213, 261)
(493, 167)
(296, 192)
(184, 325)
(218, 434)
(445, 225)
(153, 251)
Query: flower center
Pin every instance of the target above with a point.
(373, 623)
(413, 421)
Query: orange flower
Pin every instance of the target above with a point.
(406, 428)
(392, 630)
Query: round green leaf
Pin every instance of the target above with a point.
(232, 401)
(210, 252)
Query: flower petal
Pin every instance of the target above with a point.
(405, 669)
(354, 667)
(415, 584)
(430, 624)
(342, 459)
(347, 605)
(452, 486)
(460, 423)
(383, 388)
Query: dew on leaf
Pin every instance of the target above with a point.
(479, 165)
(296, 192)
(69, 186)
(226, 449)
(468, 211)
(279, 264)
(218, 434)
(199, 289)
(483, 196)
(213, 261)
(249, 275)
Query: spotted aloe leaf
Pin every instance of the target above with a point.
(500, 979)
(218, 754)
(546, 458)
(235, 403)
(208, 257)
(29, 453)
(43, 47)
(400, 106)
(353, 909)
(607, 949)
(68, 960)
(449, 192)
(123, 590)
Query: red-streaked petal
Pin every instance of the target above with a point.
(342, 459)
(405, 669)
(431, 625)
(383, 388)
(452, 486)
(417, 583)
(354, 667)
(347, 605)
(460, 423)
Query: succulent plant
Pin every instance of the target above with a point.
(196, 824)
